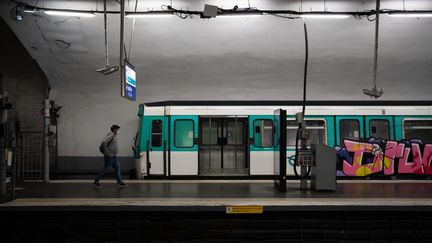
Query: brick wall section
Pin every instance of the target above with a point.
(24, 81)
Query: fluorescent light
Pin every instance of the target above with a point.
(410, 15)
(324, 16)
(29, 10)
(70, 13)
(149, 15)
(239, 15)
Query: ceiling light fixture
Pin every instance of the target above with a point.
(240, 15)
(324, 16)
(149, 15)
(411, 15)
(70, 13)
(30, 10)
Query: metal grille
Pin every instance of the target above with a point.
(29, 158)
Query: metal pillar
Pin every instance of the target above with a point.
(3, 162)
(122, 63)
(303, 146)
(46, 154)
(303, 182)
(280, 153)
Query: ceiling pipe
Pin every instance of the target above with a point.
(422, 13)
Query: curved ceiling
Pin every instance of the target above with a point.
(227, 58)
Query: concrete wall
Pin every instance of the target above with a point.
(23, 79)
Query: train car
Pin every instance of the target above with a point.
(236, 138)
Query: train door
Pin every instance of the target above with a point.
(380, 127)
(223, 146)
(349, 128)
(261, 133)
(156, 146)
(183, 155)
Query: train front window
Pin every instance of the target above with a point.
(263, 133)
(316, 130)
(379, 129)
(349, 129)
(156, 139)
(184, 133)
(418, 129)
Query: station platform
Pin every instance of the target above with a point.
(217, 195)
(218, 211)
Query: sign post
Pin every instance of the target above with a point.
(279, 156)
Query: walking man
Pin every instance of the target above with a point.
(109, 149)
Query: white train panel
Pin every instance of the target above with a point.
(184, 163)
(261, 163)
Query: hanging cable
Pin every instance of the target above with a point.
(304, 104)
(305, 67)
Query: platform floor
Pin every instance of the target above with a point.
(216, 195)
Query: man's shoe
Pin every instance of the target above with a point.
(96, 184)
(122, 184)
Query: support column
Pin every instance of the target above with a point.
(3, 162)
(46, 154)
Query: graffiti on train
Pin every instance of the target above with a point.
(386, 157)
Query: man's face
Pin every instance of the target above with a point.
(116, 131)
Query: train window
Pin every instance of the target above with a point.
(263, 133)
(209, 132)
(379, 128)
(316, 128)
(349, 129)
(234, 133)
(184, 133)
(419, 129)
(156, 136)
(317, 132)
(292, 127)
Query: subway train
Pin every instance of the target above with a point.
(236, 138)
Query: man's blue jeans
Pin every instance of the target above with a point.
(110, 161)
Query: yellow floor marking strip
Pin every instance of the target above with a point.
(244, 209)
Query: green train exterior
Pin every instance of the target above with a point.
(220, 139)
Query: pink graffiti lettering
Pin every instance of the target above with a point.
(360, 149)
(370, 158)
(420, 164)
(393, 150)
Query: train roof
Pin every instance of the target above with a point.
(290, 103)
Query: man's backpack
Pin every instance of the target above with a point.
(102, 148)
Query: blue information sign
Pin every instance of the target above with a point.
(130, 83)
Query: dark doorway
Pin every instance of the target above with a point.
(223, 146)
